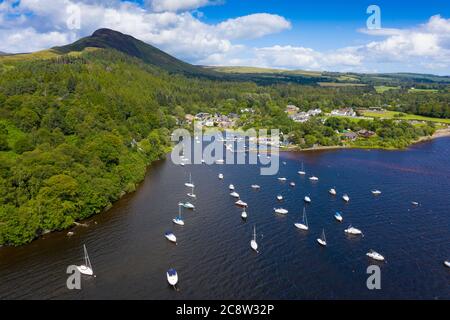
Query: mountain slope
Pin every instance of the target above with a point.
(110, 39)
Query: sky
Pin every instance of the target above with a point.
(322, 35)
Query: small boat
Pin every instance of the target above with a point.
(86, 268)
(70, 233)
(253, 243)
(284, 163)
(170, 236)
(338, 216)
(376, 192)
(255, 186)
(322, 240)
(241, 203)
(279, 197)
(313, 178)
(179, 220)
(353, 231)
(292, 184)
(172, 277)
(188, 205)
(244, 215)
(304, 224)
(282, 179)
(414, 203)
(189, 184)
(280, 211)
(302, 172)
(307, 199)
(234, 194)
(220, 161)
(332, 191)
(220, 176)
(231, 187)
(182, 164)
(447, 263)
(192, 194)
(346, 198)
(375, 255)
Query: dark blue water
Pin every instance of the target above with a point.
(213, 257)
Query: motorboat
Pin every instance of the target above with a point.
(375, 255)
(234, 194)
(172, 277)
(307, 199)
(279, 197)
(170, 236)
(346, 198)
(280, 211)
(353, 231)
(332, 191)
(338, 216)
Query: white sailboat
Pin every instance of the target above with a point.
(375, 255)
(188, 205)
(307, 199)
(292, 184)
(376, 192)
(244, 214)
(170, 236)
(189, 184)
(231, 187)
(179, 220)
(280, 211)
(302, 172)
(172, 277)
(346, 198)
(279, 197)
(338, 216)
(322, 240)
(253, 242)
(332, 191)
(256, 187)
(353, 231)
(304, 224)
(220, 176)
(192, 194)
(282, 179)
(447, 264)
(86, 268)
(241, 203)
(313, 178)
(234, 194)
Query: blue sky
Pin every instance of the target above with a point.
(309, 35)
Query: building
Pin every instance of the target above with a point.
(189, 118)
(350, 136)
(365, 133)
(345, 112)
(291, 109)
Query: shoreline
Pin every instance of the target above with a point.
(440, 133)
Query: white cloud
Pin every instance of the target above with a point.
(178, 5)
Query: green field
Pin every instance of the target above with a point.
(381, 89)
(340, 84)
(414, 90)
(392, 115)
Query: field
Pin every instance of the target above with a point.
(414, 90)
(339, 84)
(381, 89)
(392, 115)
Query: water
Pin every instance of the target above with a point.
(213, 257)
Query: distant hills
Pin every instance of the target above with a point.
(110, 39)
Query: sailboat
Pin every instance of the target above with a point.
(280, 211)
(304, 225)
(376, 192)
(282, 179)
(322, 240)
(307, 199)
(292, 184)
(353, 231)
(172, 277)
(179, 220)
(244, 214)
(234, 194)
(375, 255)
(346, 198)
(231, 187)
(313, 178)
(332, 191)
(170, 236)
(338, 216)
(279, 197)
(192, 194)
(302, 172)
(189, 184)
(256, 187)
(86, 268)
(447, 263)
(253, 243)
(188, 205)
(220, 176)
(241, 203)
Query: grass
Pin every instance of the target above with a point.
(414, 90)
(381, 89)
(340, 84)
(39, 55)
(256, 70)
(392, 115)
